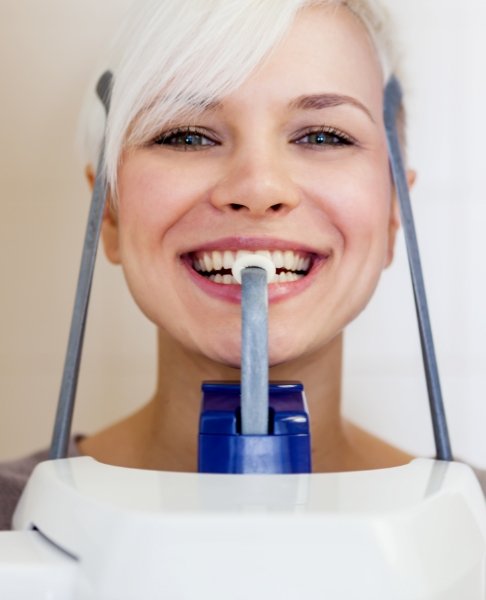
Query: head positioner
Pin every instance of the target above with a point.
(393, 101)
(62, 427)
(258, 277)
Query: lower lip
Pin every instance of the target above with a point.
(276, 291)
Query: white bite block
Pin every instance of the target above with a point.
(253, 260)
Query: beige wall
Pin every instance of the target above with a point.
(49, 48)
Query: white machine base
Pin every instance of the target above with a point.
(88, 531)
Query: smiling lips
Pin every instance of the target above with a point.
(215, 265)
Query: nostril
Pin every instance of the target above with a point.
(273, 207)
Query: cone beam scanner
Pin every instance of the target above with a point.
(254, 272)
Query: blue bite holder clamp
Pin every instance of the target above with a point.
(223, 449)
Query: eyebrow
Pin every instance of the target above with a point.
(320, 101)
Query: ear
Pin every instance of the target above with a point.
(90, 175)
(109, 226)
(394, 223)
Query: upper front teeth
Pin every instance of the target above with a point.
(217, 260)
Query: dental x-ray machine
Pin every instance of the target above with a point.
(254, 523)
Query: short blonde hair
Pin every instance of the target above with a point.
(168, 60)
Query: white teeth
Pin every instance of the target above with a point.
(208, 262)
(278, 259)
(289, 257)
(241, 253)
(287, 277)
(224, 279)
(264, 253)
(217, 260)
(228, 259)
(230, 280)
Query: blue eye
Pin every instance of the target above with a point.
(184, 139)
(325, 137)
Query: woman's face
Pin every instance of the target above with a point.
(294, 163)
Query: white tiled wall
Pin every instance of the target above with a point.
(48, 49)
(445, 81)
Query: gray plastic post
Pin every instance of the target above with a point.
(393, 96)
(254, 352)
(67, 394)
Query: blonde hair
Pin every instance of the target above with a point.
(174, 57)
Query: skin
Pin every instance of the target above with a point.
(261, 181)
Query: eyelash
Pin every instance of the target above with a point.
(165, 138)
(339, 138)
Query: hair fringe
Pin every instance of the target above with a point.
(167, 62)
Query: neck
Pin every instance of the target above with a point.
(176, 405)
(321, 375)
(163, 434)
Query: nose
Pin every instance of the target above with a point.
(257, 185)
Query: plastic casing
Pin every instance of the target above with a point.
(222, 448)
(416, 532)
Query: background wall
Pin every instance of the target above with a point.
(48, 53)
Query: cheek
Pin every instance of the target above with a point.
(155, 192)
(149, 199)
(374, 201)
(356, 200)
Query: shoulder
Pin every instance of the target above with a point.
(481, 475)
(371, 452)
(13, 477)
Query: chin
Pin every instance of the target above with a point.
(228, 353)
(287, 344)
(279, 357)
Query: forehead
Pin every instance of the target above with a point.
(326, 50)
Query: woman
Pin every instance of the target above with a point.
(246, 126)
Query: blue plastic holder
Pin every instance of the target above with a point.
(222, 447)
